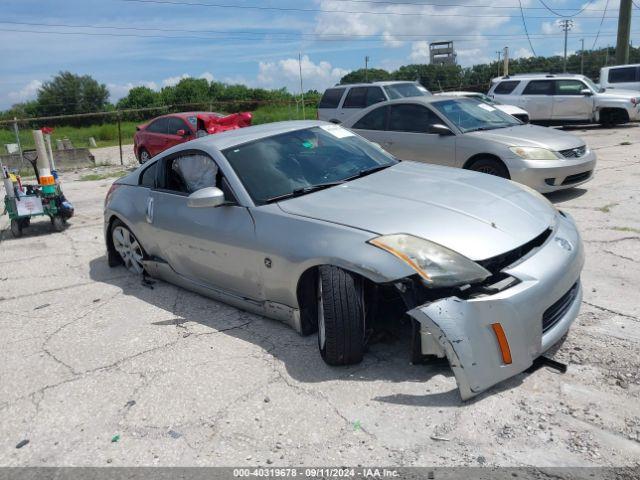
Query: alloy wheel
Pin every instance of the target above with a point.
(129, 249)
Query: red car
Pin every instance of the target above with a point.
(169, 130)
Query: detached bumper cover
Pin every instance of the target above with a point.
(463, 329)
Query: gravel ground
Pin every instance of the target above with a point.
(97, 369)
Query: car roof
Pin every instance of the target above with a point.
(526, 76)
(232, 138)
(373, 84)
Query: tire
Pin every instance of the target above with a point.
(58, 223)
(341, 317)
(489, 166)
(201, 133)
(612, 117)
(16, 228)
(126, 245)
(143, 156)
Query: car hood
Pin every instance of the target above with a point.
(475, 214)
(510, 109)
(619, 93)
(530, 136)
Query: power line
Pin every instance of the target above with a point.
(601, 22)
(319, 10)
(339, 36)
(524, 24)
(191, 37)
(555, 12)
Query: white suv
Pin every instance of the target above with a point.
(621, 76)
(340, 102)
(566, 98)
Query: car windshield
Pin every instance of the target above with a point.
(302, 161)
(593, 86)
(402, 90)
(470, 115)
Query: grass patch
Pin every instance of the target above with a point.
(607, 208)
(106, 134)
(626, 229)
(101, 176)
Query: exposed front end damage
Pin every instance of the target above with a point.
(488, 338)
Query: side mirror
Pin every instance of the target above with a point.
(439, 129)
(586, 92)
(206, 197)
(182, 133)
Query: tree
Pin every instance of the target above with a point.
(372, 75)
(67, 94)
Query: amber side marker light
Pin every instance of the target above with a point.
(502, 341)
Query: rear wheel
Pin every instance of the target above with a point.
(16, 228)
(489, 166)
(143, 156)
(341, 316)
(128, 247)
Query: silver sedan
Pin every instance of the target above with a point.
(310, 224)
(468, 133)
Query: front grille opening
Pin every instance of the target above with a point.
(578, 177)
(574, 152)
(555, 312)
(498, 263)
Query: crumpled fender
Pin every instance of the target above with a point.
(214, 124)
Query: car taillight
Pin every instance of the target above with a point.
(112, 189)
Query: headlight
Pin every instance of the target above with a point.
(535, 153)
(437, 265)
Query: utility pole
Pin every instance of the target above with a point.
(506, 61)
(624, 32)
(301, 89)
(582, 57)
(366, 68)
(499, 52)
(566, 26)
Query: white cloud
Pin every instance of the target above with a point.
(419, 52)
(208, 76)
(172, 81)
(118, 91)
(28, 92)
(286, 73)
(522, 52)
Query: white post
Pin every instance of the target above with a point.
(52, 162)
(506, 61)
(301, 89)
(42, 164)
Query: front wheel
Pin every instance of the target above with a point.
(127, 246)
(490, 166)
(201, 133)
(341, 316)
(144, 156)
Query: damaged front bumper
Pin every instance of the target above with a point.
(534, 314)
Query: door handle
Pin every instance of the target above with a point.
(149, 212)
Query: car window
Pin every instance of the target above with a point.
(158, 126)
(505, 88)
(539, 87)
(411, 118)
(470, 114)
(626, 74)
(375, 95)
(331, 98)
(280, 165)
(190, 173)
(569, 87)
(374, 120)
(404, 90)
(148, 176)
(356, 98)
(175, 124)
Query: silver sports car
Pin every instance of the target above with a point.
(310, 224)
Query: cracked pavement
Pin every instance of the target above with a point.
(88, 353)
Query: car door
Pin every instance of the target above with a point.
(407, 136)
(537, 99)
(354, 101)
(156, 136)
(177, 132)
(569, 103)
(212, 246)
(373, 126)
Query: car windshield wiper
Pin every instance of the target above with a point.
(304, 190)
(368, 171)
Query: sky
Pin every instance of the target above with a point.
(126, 43)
